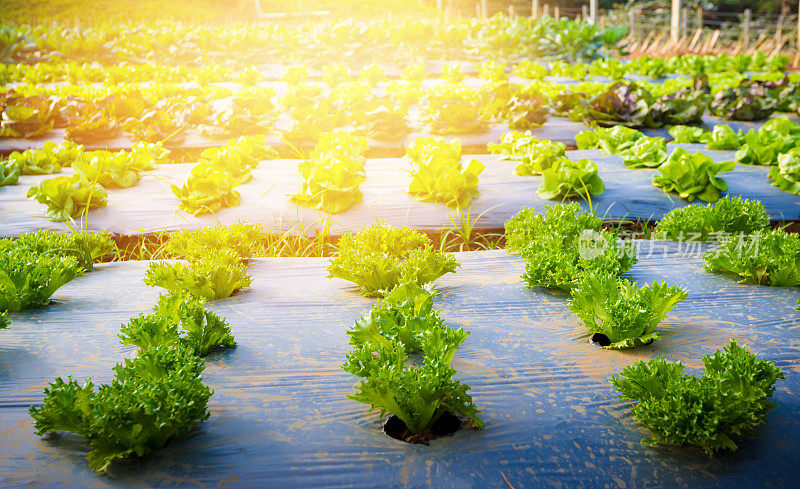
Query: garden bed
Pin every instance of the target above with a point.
(280, 416)
(151, 208)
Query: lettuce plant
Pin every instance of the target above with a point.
(68, 197)
(763, 258)
(404, 315)
(417, 395)
(28, 279)
(741, 105)
(786, 175)
(178, 319)
(379, 258)
(567, 179)
(693, 176)
(626, 315)
(689, 134)
(84, 247)
(646, 153)
(703, 222)
(333, 175)
(154, 398)
(711, 412)
(9, 173)
(561, 245)
(244, 239)
(438, 174)
(614, 140)
(210, 277)
(724, 138)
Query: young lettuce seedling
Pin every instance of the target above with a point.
(711, 412)
(625, 314)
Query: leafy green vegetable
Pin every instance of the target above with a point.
(84, 247)
(741, 105)
(439, 176)
(762, 147)
(333, 175)
(241, 238)
(534, 155)
(178, 319)
(689, 134)
(453, 109)
(786, 175)
(379, 258)
(417, 395)
(693, 175)
(403, 316)
(614, 140)
(211, 185)
(763, 258)
(712, 412)
(210, 277)
(625, 314)
(9, 173)
(562, 245)
(686, 106)
(153, 399)
(646, 153)
(28, 279)
(68, 197)
(723, 137)
(566, 179)
(107, 168)
(624, 103)
(4, 321)
(703, 223)
(207, 193)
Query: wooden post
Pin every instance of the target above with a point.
(746, 29)
(684, 22)
(700, 18)
(484, 9)
(478, 10)
(535, 9)
(438, 4)
(797, 56)
(556, 13)
(632, 30)
(510, 11)
(585, 13)
(779, 35)
(675, 21)
(546, 10)
(593, 11)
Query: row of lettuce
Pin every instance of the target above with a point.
(382, 110)
(333, 172)
(315, 42)
(690, 175)
(728, 67)
(402, 351)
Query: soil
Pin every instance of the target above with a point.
(446, 425)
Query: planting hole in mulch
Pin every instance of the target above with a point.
(599, 339)
(446, 425)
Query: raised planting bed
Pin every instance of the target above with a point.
(150, 206)
(280, 416)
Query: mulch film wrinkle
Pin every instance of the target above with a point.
(280, 417)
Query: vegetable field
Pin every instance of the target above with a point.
(404, 251)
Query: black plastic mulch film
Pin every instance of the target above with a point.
(280, 417)
(150, 206)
